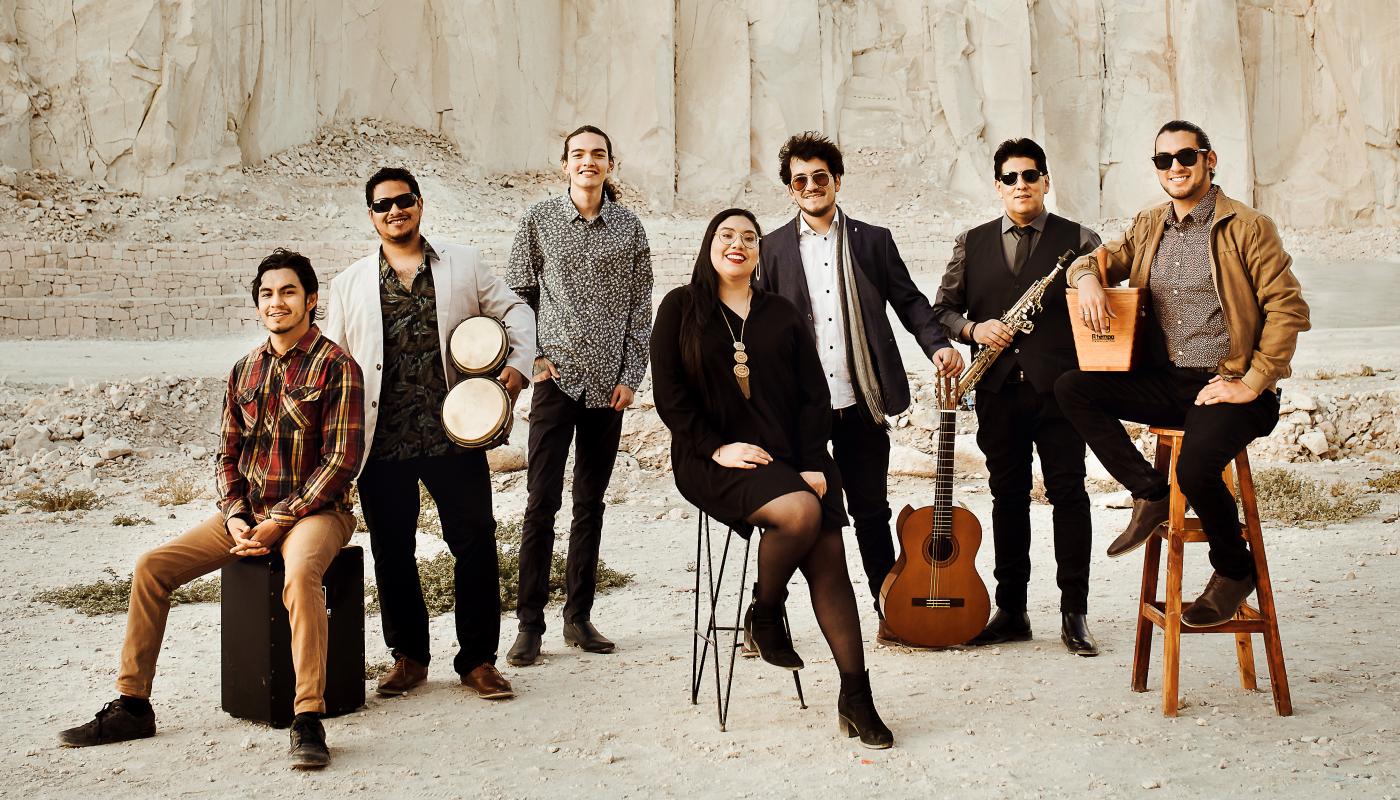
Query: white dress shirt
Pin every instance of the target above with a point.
(818, 253)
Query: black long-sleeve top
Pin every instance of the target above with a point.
(789, 409)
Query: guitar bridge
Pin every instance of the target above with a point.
(937, 602)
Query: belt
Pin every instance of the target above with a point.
(1016, 375)
(1196, 372)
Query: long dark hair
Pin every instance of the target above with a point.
(609, 190)
(704, 295)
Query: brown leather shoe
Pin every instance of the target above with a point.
(404, 675)
(1219, 602)
(1147, 515)
(488, 683)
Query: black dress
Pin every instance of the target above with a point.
(788, 412)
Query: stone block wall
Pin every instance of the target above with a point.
(128, 290)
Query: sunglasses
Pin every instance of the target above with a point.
(727, 237)
(1186, 156)
(799, 182)
(1030, 176)
(404, 201)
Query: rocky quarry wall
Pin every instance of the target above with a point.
(1300, 95)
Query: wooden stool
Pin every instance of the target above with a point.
(1166, 614)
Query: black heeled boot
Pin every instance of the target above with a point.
(765, 627)
(856, 714)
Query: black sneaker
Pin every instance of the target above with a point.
(114, 723)
(308, 748)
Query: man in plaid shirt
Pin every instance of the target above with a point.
(292, 439)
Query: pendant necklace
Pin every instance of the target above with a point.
(741, 358)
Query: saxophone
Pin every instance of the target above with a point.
(1018, 319)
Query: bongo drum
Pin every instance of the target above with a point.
(477, 413)
(478, 346)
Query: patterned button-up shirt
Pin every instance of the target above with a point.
(590, 284)
(1183, 289)
(410, 404)
(293, 431)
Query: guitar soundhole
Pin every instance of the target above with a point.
(940, 549)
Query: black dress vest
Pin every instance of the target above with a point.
(1048, 351)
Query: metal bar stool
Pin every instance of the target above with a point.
(710, 633)
(1166, 614)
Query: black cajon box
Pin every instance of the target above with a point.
(258, 681)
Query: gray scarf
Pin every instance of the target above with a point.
(867, 386)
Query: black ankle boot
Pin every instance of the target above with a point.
(856, 714)
(765, 627)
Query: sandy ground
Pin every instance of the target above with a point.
(1024, 720)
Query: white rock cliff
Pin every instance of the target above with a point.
(1300, 96)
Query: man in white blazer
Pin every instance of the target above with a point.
(393, 311)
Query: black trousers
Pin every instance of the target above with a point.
(460, 485)
(1215, 434)
(862, 453)
(1010, 422)
(555, 420)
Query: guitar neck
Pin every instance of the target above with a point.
(943, 480)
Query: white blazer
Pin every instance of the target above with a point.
(465, 287)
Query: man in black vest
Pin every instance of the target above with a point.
(992, 266)
(841, 274)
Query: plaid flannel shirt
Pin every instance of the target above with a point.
(293, 432)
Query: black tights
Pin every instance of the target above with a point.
(793, 539)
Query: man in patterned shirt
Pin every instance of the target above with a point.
(583, 262)
(293, 434)
(1229, 311)
(393, 310)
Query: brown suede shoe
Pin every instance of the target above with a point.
(488, 683)
(1147, 515)
(1219, 602)
(404, 675)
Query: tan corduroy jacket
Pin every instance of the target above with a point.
(1261, 299)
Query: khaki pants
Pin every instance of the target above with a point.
(307, 550)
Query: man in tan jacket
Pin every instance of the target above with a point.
(1228, 311)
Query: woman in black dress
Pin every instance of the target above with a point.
(738, 381)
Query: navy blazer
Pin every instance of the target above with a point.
(882, 280)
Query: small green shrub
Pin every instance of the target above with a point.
(110, 595)
(436, 575)
(52, 500)
(126, 521)
(1289, 498)
(1389, 481)
(175, 489)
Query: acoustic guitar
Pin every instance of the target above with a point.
(933, 597)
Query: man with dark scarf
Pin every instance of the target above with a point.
(841, 274)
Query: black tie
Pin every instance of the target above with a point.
(1023, 247)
